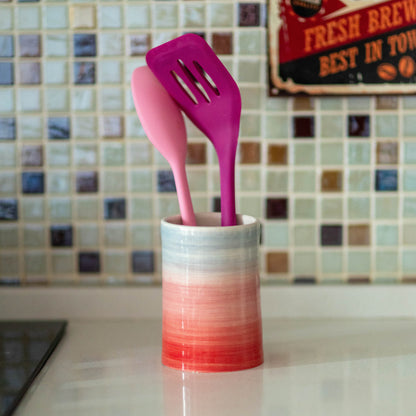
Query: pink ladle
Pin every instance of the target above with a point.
(164, 125)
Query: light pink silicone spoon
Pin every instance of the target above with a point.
(202, 86)
(163, 123)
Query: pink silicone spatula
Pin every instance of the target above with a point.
(164, 125)
(202, 86)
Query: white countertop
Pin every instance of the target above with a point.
(312, 367)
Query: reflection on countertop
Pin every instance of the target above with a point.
(312, 367)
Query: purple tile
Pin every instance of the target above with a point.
(331, 235)
(387, 153)
(112, 126)
(8, 209)
(84, 73)
(249, 14)
(29, 45)
(32, 155)
(61, 235)
(87, 182)
(139, 44)
(114, 208)
(304, 126)
(277, 208)
(89, 262)
(358, 126)
(29, 73)
(143, 262)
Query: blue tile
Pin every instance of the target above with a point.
(165, 181)
(7, 128)
(143, 261)
(8, 209)
(386, 180)
(58, 128)
(61, 235)
(33, 182)
(114, 208)
(6, 73)
(89, 262)
(359, 126)
(84, 73)
(84, 45)
(6, 46)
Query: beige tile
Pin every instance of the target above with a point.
(82, 17)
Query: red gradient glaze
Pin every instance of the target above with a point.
(212, 327)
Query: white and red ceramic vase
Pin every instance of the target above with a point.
(211, 294)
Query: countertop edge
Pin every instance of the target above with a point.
(146, 302)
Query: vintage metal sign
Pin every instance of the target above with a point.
(342, 47)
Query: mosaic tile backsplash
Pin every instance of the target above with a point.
(82, 190)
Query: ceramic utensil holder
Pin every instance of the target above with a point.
(211, 294)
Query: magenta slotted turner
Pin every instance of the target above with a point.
(197, 80)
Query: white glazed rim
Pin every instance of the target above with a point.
(210, 221)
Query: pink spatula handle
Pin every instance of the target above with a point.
(184, 195)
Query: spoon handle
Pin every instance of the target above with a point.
(184, 195)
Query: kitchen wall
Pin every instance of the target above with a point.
(82, 190)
